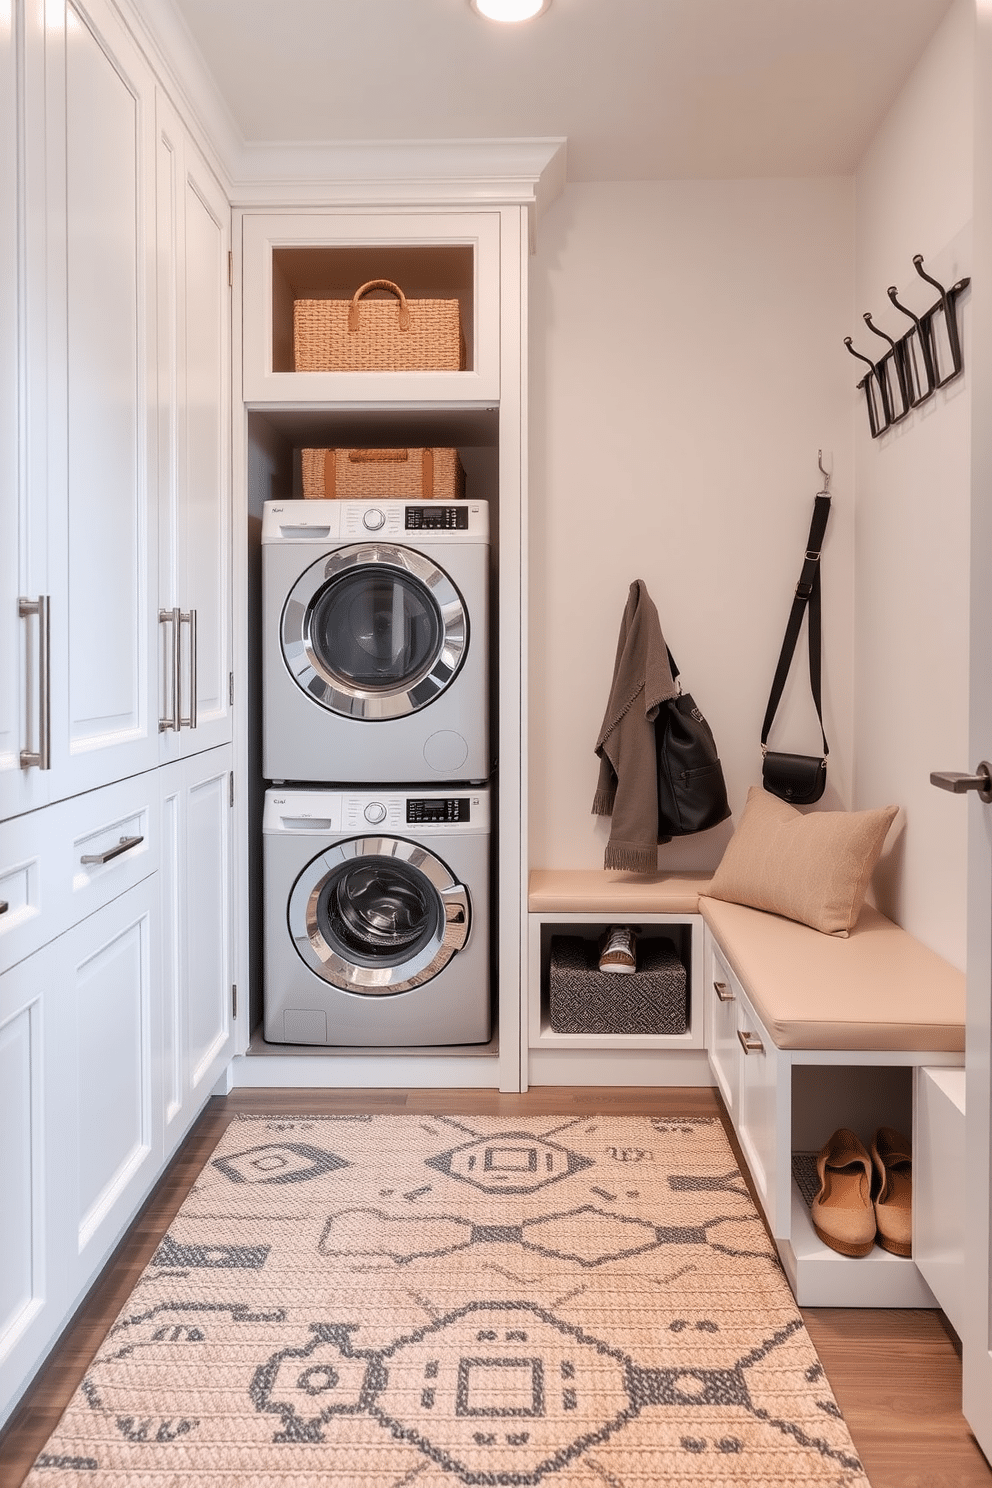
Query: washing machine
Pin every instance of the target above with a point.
(375, 622)
(376, 916)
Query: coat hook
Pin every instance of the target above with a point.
(876, 395)
(909, 361)
(824, 473)
(946, 304)
(891, 357)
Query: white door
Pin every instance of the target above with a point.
(24, 782)
(194, 440)
(106, 1102)
(197, 1002)
(33, 1282)
(977, 1337)
(99, 354)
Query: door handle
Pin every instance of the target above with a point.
(958, 783)
(40, 758)
(171, 617)
(112, 852)
(188, 617)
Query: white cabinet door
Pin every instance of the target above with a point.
(105, 1015)
(198, 1023)
(756, 1118)
(79, 1106)
(721, 1034)
(102, 534)
(33, 1283)
(23, 572)
(194, 478)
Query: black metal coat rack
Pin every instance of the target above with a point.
(926, 357)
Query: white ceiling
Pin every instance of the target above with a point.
(642, 89)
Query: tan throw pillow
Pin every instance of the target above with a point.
(814, 868)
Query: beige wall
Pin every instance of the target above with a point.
(686, 366)
(914, 195)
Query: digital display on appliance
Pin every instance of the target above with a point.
(450, 809)
(434, 517)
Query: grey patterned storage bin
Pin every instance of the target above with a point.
(584, 999)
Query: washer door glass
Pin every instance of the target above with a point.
(374, 631)
(378, 915)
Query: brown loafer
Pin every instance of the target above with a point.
(892, 1159)
(843, 1214)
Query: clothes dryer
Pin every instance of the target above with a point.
(376, 916)
(375, 623)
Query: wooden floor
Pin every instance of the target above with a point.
(896, 1373)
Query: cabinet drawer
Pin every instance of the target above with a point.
(62, 863)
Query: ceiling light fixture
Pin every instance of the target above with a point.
(509, 10)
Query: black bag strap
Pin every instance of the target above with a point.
(807, 598)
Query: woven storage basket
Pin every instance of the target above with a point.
(584, 999)
(405, 474)
(394, 335)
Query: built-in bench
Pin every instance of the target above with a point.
(804, 1032)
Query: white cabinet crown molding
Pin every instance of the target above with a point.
(342, 173)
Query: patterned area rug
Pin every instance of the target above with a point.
(389, 1301)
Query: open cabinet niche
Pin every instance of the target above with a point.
(274, 441)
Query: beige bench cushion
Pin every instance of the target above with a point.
(878, 989)
(614, 895)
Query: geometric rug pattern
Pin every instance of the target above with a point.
(413, 1301)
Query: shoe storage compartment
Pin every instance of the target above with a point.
(861, 1097)
(653, 999)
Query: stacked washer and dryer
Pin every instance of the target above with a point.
(375, 744)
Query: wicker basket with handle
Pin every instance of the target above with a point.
(380, 335)
(403, 474)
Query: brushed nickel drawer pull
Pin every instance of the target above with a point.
(723, 992)
(4, 906)
(750, 1042)
(112, 852)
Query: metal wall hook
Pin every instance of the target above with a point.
(824, 473)
(917, 392)
(936, 348)
(876, 397)
(946, 305)
(892, 358)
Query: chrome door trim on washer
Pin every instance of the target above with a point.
(447, 936)
(315, 673)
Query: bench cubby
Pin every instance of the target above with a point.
(801, 1033)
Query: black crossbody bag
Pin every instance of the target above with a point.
(800, 779)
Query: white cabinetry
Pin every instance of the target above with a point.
(784, 1105)
(197, 1012)
(940, 1188)
(742, 1059)
(98, 482)
(79, 1070)
(194, 439)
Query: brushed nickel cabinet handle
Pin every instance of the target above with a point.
(750, 1042)
(723, 992)
(166, 723)
(112, 852)
(188, 720)
(40, 758)
(4, 906)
